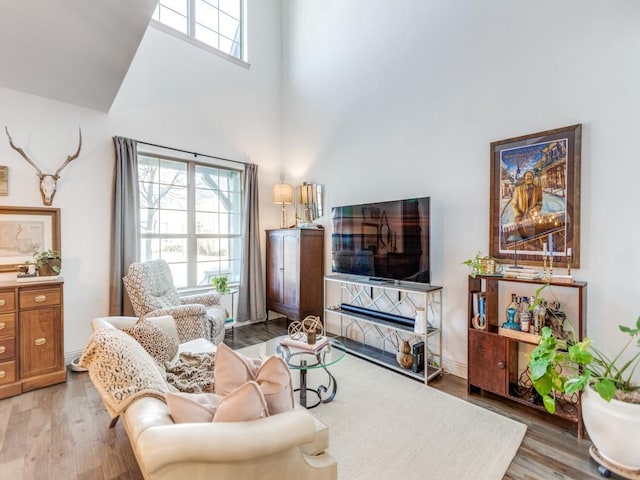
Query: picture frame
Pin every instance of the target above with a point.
(535, 197)
(369, 237)
(25, 231)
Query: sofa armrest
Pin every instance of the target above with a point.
(223, 443)
(190, 320)
(113, 322)
(207, 299)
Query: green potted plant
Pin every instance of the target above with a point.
(610, 397)
(48, 263)
(482, 265)
(221, 283)
(475, 264)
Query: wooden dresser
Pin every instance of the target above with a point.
(31, 336)
(295, 271)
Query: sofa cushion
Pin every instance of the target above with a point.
(242, 404)
(232, 369)
(157, 342)
(121, 370)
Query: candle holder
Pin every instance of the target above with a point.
(569, 265)
(550, 265)
(545, 276)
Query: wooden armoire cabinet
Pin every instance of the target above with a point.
(31, 336)
(295, 271)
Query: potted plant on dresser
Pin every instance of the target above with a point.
(48, 263)
(610, 398)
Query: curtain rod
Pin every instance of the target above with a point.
(195, 154)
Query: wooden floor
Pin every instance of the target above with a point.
(61, 432)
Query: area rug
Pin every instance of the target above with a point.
(384, 425)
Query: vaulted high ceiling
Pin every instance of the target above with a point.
(74, 51)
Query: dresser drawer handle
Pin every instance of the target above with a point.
(40, 298)
(3, 349)
(3, 302)
(40, 341)
(2, 325)
(2, 374)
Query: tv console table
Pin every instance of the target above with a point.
(377, 339)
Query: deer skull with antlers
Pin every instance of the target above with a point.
(48, 181)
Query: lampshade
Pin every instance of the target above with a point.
(283, 193)
(306, 193)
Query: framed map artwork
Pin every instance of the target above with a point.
(25, 231)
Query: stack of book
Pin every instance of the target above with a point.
(303, 345)
(523, 273)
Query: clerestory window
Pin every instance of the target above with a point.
(190, 216)
(216, 23)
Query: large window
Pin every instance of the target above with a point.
(217, 23)
(190, 216)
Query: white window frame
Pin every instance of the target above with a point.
(189, 37)
(192, 161)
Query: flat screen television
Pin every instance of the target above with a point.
(384, 240)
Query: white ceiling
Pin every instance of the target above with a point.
(74, 51)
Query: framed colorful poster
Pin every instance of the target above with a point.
(535, 197)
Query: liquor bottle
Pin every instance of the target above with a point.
(539, 314)
(512, 313)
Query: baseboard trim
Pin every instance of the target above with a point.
(455, 368)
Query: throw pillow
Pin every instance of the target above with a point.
(154, 340)
(274, 379)
(242, 405)
(232, 369)
(166, 323)
(192, 407)
(121, 370)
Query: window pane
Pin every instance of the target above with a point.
(206, 36)
(208, 249)
(207, 177)
(179, 6)
(207, 223)
(149, 220)
(174, 198)
(173, 173)
(226, 45)
(206, 200)
(174, 250)
(235, 226)
(235, 202)
(149, 194)
(179, 273)
(173, 222)
(206, 15)
(173, 20)
(231, 7)
(149, 249)
(229, 26)
(148, 169)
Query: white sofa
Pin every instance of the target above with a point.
(289, 445)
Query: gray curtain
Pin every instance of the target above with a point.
(125, 242)
(251, 295)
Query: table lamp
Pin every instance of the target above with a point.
(283, 195)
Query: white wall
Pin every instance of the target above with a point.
(387, 100)
(173, 95)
